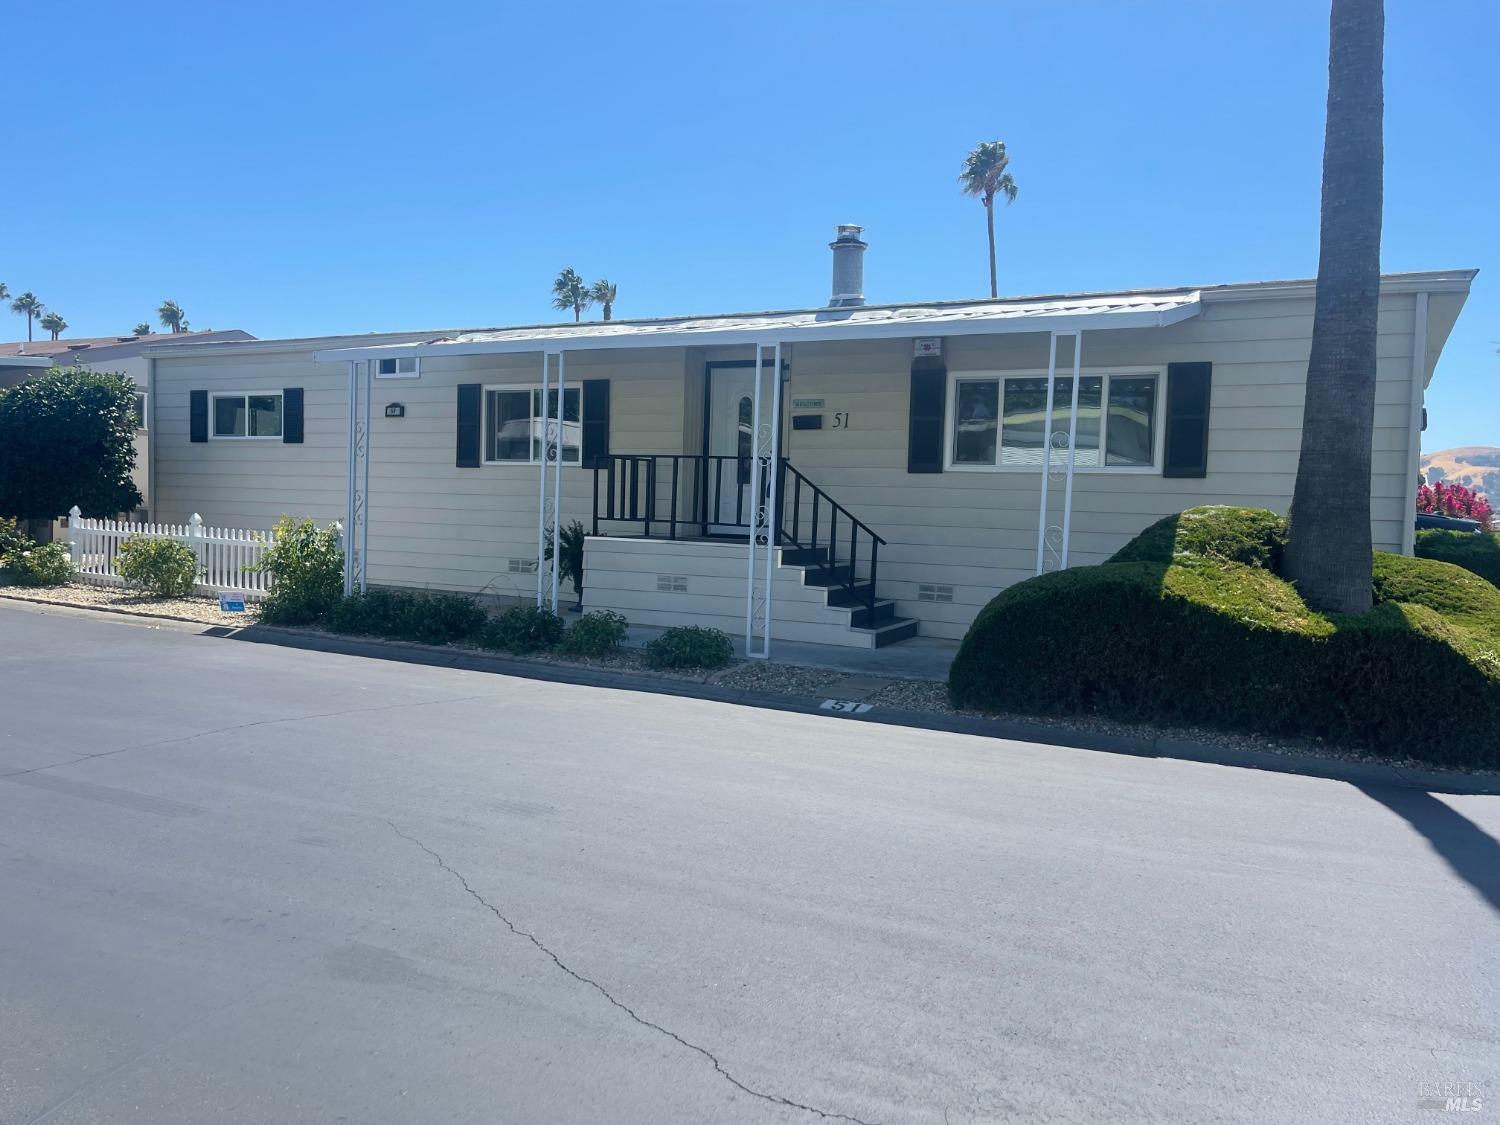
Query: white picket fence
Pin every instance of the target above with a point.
(227, 556)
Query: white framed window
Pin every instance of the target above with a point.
(140, 410)
(998, 422)
(404, 367)
(515, 425)
(246, 416)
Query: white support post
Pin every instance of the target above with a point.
(764, 465)
(74, 553)
(557, 490)
(1414, 424)
(349, 499)
(541, 488)
(1041, 523)
(364, 508)
(1067, 524)
(750, 586)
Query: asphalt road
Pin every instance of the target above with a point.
(241, 883)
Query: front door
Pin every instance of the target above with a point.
(731, 445)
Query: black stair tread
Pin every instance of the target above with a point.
(889, 632)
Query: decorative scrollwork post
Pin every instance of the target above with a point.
(765, 461)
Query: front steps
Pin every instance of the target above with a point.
(666, 582)
(878, 623)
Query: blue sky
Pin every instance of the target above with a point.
(298, 169)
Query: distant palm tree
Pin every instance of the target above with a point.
(4, 292)
(603, 293)
(985, 175)
(143, 329)
(1329, 548)
(54, 323)
(172, 316)
(29, 307)
(570, 292)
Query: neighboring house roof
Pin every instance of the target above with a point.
(88, 349)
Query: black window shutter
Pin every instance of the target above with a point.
(198, 415)
(595, 422)
(291, 415)
(470, 410)
(924, 432)
(1188, 387)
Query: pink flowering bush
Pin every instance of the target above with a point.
(1455, 500)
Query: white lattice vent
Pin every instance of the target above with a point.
(521, 566)
(927, 592)
(671, 583)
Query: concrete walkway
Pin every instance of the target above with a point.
(921, 658)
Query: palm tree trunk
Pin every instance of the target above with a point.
(989, 218)
(608, 309)
(577, 313)
(1329, 548)
(28, 328)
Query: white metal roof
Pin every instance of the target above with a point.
(958, 318)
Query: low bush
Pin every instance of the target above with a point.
(1194, 627)
(596, 634)
(306, 566)
(1478, 553)
(439, 619)
(12, 539)
(47, 565)
(161, 566)
(690, 646)
(371, 613)
(523, 628)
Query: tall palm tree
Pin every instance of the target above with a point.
(4, 292)
(570, 292)
(1329, 549)
(143, 329)
(54, 323)
(172, 317)
(986, 175)
(29, 307)
(603, 293)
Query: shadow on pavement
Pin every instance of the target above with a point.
(1472, 853)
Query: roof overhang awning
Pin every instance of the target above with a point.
(979, 318)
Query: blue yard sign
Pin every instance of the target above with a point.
(232, 603)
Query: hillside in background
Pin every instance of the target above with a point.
(1473, 466)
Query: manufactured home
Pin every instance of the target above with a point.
(853, 474)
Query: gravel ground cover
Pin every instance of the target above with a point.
(928, 697)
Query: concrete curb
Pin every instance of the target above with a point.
(1308, 764)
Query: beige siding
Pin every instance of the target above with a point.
(435, 525)
(977, 531)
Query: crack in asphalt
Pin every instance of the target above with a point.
(235, 727)
(775, 1099)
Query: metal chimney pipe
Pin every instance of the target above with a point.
(848, 267)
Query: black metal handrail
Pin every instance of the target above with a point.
(833, 566)
(629, 487)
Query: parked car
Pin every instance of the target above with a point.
(1427, 520)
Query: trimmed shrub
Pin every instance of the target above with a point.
(161, 566)
(1479, 553)
(439, 619)
(690, 646)
(522, 629)
(47, 565)
(306, 567)
(596, 634)
(12, 539)
(1204, 640)
(1252, 536)
(371, 613)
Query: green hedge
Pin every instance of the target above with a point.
(1479, 553)
(1193, 626)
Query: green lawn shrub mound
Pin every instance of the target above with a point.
(1190, 624)
(1479, 553)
